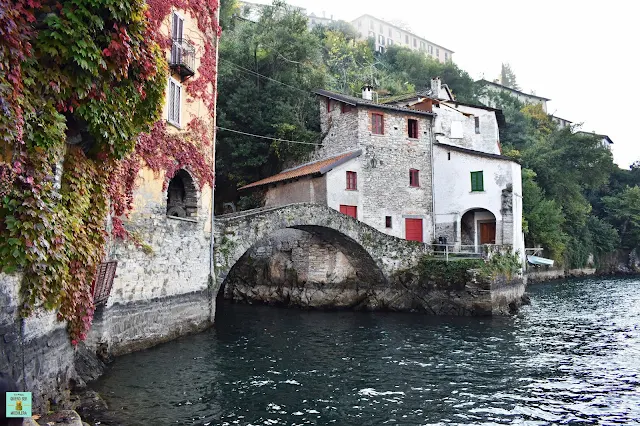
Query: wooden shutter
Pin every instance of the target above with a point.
(413, 229)
(477, 181)
(349, 210)
(177, 26)
(176, 105)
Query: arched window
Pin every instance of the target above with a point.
(182, 195)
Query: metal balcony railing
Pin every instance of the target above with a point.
(183, 57)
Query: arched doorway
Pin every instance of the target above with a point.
(478, 228)
(182, 196)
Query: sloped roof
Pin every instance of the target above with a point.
(500, 86)
(352, 100)
(319, 167)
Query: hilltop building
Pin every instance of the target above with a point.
(387, 34)
(523, 97)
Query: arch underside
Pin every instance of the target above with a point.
(276, 281)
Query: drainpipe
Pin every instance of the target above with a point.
(212, 276)
(433, 186)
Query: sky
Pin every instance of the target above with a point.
(583, 55)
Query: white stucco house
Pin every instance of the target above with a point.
(477, 192)
(423, 167)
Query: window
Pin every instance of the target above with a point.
(349, 210)
(446, 56)
(381, 49)
(377, 124)
(412, 127)
(422, 45)
(477, 120)
(346, 108)
(177, 26)
(387, 221)
(175, 90)
(430, 49)
(437, 52)
(415, 43)
(456, 130)
(352, 181)
(406, 39)
(414, 178)
(398, 35)
(477, 183)
(381, 39)
(389, 42)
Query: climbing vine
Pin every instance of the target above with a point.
(82, 85)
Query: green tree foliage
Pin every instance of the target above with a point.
(624, 210)
(508, 77)
(404, 65)
(267, 73)
(564, 168)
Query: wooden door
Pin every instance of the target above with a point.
(487, 232)
(349, 210)
(413, 229)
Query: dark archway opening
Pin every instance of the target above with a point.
(478, 228)
(309, 267)
(182, 196)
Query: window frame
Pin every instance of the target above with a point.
(414, 178)
(477, 186)
(412, 124)
(352, 180)
(373, 124)
(388, 222)
(477, 123)
(171, 110)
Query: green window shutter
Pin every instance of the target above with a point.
(477, 181)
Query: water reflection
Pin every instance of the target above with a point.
(573, 356)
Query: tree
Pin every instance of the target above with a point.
(268, 71)
(624, 209)
(508, 77)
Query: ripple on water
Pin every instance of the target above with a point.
(571, 357)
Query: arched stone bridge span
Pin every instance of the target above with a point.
(374, 255)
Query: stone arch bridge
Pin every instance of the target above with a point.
(374, 255)
(383, 264)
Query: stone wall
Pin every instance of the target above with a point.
(35, 351)
(305, 190)
(298, 269)
(161, 288)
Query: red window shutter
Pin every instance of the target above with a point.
(413, 128)
(413, 229)
(352, 180)
(414, 177)
(349, 210)
(377, 124)
(328, 105)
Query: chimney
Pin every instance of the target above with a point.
(367, 93)
(436, 87)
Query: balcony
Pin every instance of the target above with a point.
(183, 57)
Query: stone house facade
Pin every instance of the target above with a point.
(374, 164)
(477, 191)
(160, 288)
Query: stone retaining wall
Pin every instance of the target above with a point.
(36, 351)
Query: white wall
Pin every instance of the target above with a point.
(453, 196)
(337, 193)
(485, 141)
